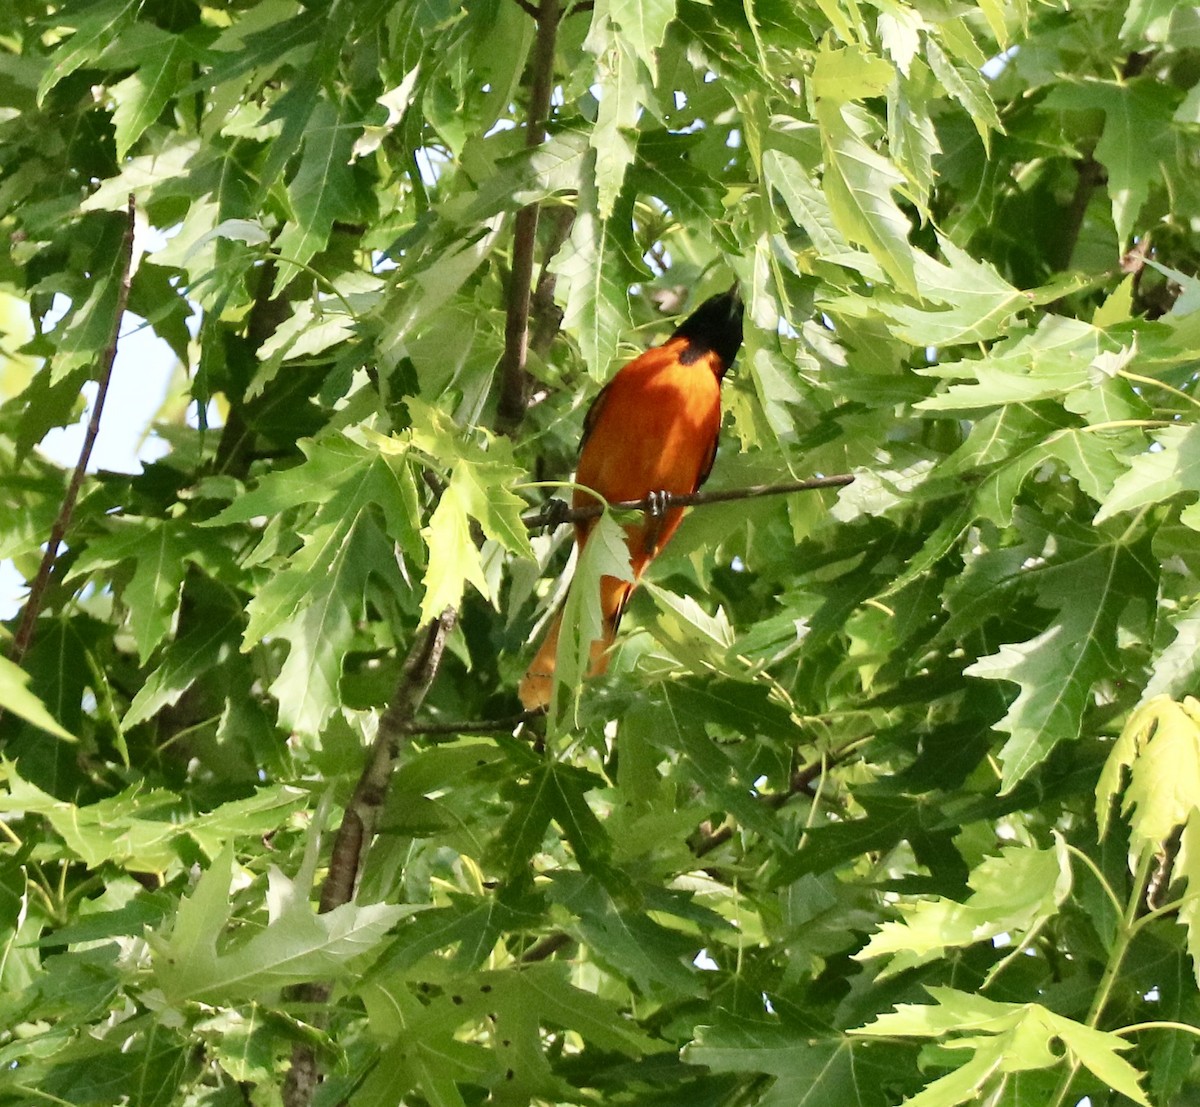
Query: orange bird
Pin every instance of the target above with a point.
(653, 428)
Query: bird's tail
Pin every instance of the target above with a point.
(538, 682)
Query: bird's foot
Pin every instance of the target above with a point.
(657, 503)
(556, 512)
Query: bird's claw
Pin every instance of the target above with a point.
(556, 512)
(656, 503)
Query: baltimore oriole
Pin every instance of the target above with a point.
(652, 428)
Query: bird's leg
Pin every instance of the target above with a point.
(556, 512)
(656, 514)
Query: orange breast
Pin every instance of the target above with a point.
(655, 429)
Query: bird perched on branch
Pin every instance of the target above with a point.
(652, 429)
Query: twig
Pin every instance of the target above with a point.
(550, 944)
(557, 512)
(474, 726)
(366, 805)
(513, 378)
(527, 7)
(24, 635)
(361, 819)
(707, 839)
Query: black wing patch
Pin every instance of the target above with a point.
(707, 465)
(593, 414)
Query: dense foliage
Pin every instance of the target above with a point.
(890, 792)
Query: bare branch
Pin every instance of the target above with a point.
(361, 819)
(24, 635)
(513, 380)
(365, 806)
(557, 512)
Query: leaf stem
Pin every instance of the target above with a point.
(1117, 424)
(319, 278)
(1159, 1024)
(1108, 979)
(1139, 379)
(1075, 851)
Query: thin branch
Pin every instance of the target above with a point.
(556, 512)
(548, 946)
(514, 383)
(366, 805)
(707, 839)
(474, 726)
(361, 819)
(24, 635)
(527, 7)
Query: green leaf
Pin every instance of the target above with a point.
(965, 85)
(95, 28)
(209, 639)
(1187, 867)
(296, 945)
(16, 697)
(981, 303)
(1134, 112)
(1170, 467)
(144, 828)
(321, 192)
(314, 605)
(85, 333)
(808, 1072)
(912, 137)
(566, 791)
(605, 554)
(593, 268)
(843, 74)
(805, 202)
(643, 24)
(1160, 744)
(626, 938)
(479, 491)
(141, 97)
(1053, 360)
(858, 185)
(679, 725)
(1013, 1036)
(160, 551)
(613, 137)
(1057, 669)
(1174, 668)
(664, 168)
(1015, 893)
(315, 599)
